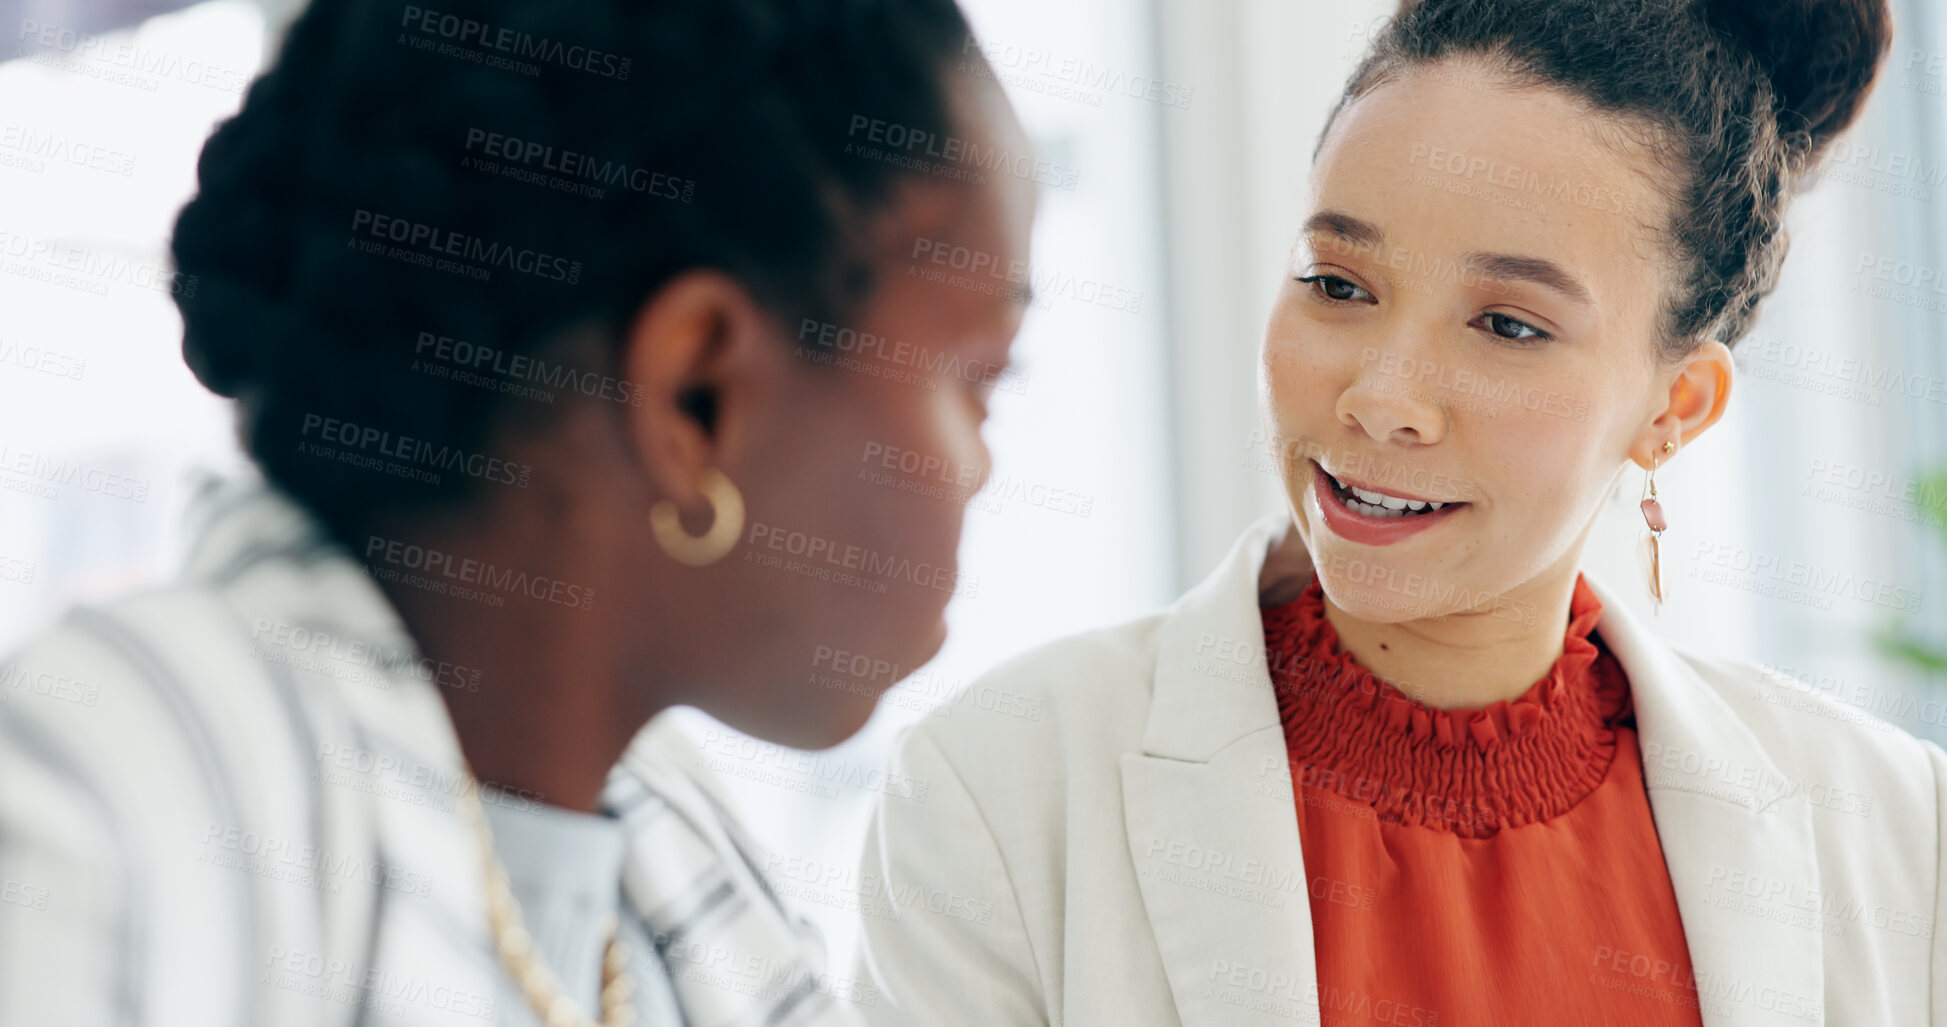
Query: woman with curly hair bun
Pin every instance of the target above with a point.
(560, 334)
(1398, 760)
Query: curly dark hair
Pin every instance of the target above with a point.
(508, 175)
(1739, 97)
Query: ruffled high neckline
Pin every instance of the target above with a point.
(1470, 772)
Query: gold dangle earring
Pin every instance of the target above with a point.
(1653, 516)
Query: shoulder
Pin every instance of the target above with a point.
(155, 693)
(174, 717)
(175, 644)
(1832, 741)
(166, 785)
(1087, 693)
(105, 657)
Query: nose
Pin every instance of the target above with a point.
(1392, 408)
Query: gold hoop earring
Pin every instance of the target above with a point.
(727, 522)
(1658, 523)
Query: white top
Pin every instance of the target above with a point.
(1129, 855)
(566, 871)
(233, 801)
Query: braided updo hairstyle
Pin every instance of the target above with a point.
(581, 154)
(1738, 99)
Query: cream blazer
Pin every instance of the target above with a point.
(1113, 842)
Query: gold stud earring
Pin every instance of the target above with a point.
(727, 522)
(1658, 523)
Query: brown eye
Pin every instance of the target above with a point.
(1505, 327)
(1334, 288)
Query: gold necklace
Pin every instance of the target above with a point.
(518, 954)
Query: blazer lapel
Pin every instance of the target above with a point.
(1737, 842)
(1207, 807)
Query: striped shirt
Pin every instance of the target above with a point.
(234, 800)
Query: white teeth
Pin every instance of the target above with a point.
(1368, 503)
(1379, 499)
(1368, 510)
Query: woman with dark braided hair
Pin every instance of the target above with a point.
(1398, 760)
(559, 333)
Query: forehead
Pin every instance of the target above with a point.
(1451, 159)
(957, 248)
(999, 206)
(953, 262)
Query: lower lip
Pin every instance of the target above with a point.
(1371, 531)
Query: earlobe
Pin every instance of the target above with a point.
(1662, 441)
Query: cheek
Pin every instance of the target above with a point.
(811, 466)
(918, 464)
(1551, 417)
(1299, 372)
(1548, 467)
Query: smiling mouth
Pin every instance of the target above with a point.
(1381, 505)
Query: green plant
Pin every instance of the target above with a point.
(1899, 641)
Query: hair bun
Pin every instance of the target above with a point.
(1822, 56)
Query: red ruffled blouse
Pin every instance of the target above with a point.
(1483, 866)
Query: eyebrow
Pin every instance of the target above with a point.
(1501, 266)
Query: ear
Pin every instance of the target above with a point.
(1698, 391)
(683, 350)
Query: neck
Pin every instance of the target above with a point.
(549, 718)
(1466, 660)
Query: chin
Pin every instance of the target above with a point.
(1375, 605)
(935, 641)
(1382, 588)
